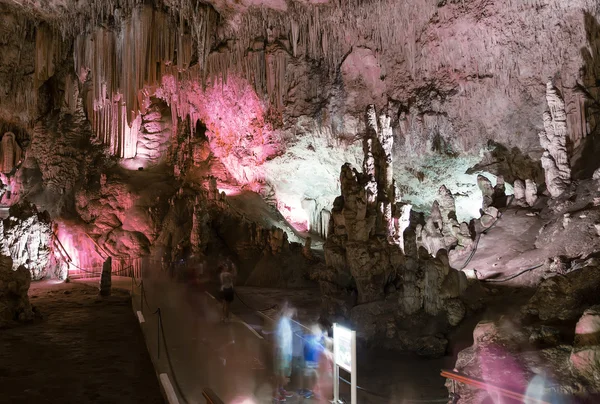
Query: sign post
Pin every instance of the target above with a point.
(344, 356)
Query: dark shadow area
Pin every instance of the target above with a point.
(510, 163)
(586, 155)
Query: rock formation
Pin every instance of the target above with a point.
(525, 193)
(492, 195)
(10, 153)
(14, 285)
(553, 139)
(397, 287)
(26, 237)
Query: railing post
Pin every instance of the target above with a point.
(142, 297)
(158, 328)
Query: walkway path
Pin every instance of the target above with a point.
(235, 358)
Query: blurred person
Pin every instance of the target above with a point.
(313, 349)
(324, 384)
(227, 292)
(283, 354)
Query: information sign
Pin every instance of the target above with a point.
(342, 339)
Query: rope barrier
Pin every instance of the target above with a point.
(513, 276)
(252, 308)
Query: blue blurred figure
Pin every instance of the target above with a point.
(314, 347)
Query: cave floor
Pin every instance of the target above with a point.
(85, 349)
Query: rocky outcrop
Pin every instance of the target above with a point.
(26, 237)
(14, 285)
(203, 223)
(123, 220)
(553, 139)
(567, 295)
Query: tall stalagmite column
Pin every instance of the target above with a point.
(378, 166)
(553, 139)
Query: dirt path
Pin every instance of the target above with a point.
(85, 350)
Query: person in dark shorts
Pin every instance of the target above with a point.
(313, 349)
(227, 292)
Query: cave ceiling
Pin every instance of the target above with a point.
(295, 79)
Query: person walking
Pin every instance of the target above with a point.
(283, 354)
(313, 349)
(227, 292)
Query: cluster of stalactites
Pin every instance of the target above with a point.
(124, 67)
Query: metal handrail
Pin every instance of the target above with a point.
(481, 384)
(211, 397)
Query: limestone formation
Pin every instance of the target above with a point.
(399, 268)
(519, 193)
(10, 153)
(14, 285)
(26, 237)
(553, 139)
(530, 192)
(487, 190)
(499, 195)
(447, 209)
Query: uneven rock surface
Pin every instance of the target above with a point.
(26, 237)
(14, 285)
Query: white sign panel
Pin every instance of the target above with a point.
(342, 340)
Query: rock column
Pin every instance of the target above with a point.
(105, 277)
(553, 139)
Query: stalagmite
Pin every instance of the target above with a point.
(105, 277)
(519, 193)
(531, 192)
(553, 139)
(487, 191)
